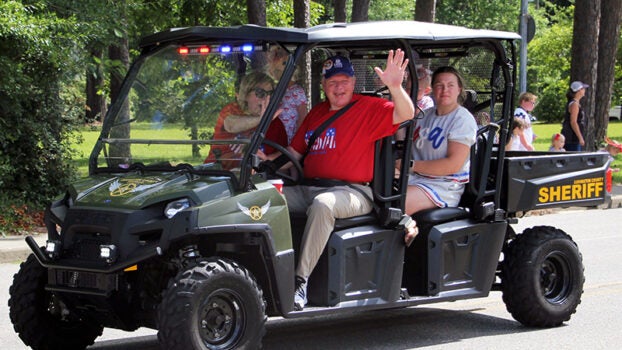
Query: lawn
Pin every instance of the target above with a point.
(546, 131)
(173, 153)
(542, 143)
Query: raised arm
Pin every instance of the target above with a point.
(392, 77)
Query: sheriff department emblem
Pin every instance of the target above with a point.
(122, 187)
(255, 212)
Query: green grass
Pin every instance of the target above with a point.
(546, 131)
(90, 134)
(173, 153)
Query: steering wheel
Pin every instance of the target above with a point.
(272, 166)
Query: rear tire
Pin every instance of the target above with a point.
(29, 306)
(542, 277)
(214, 305)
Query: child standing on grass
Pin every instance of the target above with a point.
(557, 143)
(517, 141)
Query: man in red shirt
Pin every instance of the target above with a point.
(344, 151)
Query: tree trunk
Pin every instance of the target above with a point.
(425, 10)
(585, 59)
(610, 20)
(302, 19)
(119, 153)
(360, 10)
(340, 11)
(95, 102)
(256, 10)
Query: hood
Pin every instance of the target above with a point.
(134, 191)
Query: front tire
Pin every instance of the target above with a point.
(31, 310)
(542, 277)
(214, 305)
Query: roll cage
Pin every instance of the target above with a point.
(368, 41)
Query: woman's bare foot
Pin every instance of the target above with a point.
(411, 231)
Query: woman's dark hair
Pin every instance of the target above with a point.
(451, 70)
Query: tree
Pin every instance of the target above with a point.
(391, 10)
(608, 40)
(120, 54)
(497, 15)
(425, 10)
(360, 10)
(37, 111)
(340, 10)
(302, 19)
(585, 60)
(549, 66)
(95, 99)
(256, 10)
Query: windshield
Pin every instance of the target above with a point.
(196, 104)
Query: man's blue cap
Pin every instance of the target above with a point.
(337, 65)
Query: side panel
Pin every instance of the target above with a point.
(553, 180)
(463, 255)
(358, 263)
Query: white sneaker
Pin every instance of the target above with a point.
(300, 295)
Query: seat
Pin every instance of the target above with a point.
(387, 194)
(473, 201)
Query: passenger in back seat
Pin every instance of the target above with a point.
(441, 147)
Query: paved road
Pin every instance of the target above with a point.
(471, 324)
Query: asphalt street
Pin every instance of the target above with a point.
(480, 323)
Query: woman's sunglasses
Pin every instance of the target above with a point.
(261, 93)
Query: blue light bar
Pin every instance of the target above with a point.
(248, 47)
(225, 49)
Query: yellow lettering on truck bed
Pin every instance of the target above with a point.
(580, 189)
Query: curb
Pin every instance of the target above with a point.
(15, 250)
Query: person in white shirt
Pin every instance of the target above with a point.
(526, 103)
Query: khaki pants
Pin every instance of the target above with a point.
(323, 205)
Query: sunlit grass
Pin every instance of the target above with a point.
(183, 153)
(546, 131)
(146, 153)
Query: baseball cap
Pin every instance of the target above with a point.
(578, 85)
(337, 65)
(613, 143)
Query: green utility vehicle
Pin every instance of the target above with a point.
(173, 232)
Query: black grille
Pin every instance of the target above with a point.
(87, 280)
(87, 248)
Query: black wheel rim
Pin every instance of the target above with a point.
(221, 319)
(555, 277)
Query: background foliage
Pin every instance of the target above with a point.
(48, 49)
(38, 105)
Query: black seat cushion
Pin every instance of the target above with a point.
(435, 216)
(360, 220)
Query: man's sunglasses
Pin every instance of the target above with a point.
(261, 93)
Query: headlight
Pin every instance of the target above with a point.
(176, 206)
(52, 248)
(108, 252)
